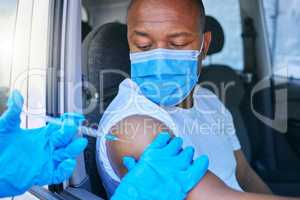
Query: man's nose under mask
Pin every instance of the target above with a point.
(166, 77)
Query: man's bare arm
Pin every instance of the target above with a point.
(140, 131)
(248, 179)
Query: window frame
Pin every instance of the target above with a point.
(63, 78)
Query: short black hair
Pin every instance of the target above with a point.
(202, 14)
(201, 7)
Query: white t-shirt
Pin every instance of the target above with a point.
(208, 127)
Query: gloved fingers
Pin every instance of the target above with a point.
(65, 134)
(160, 141)
(193, 175)
(52, 127)
(184, 159)
(11, 117)
(129, 162)
(76, 117)
(15, 102)
(64, 171)
(72, 151)
(173, 148)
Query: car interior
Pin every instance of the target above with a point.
(273, 155)
(41, 40)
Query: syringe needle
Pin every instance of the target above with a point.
(84, 130)
(89, 132)
(112, 138)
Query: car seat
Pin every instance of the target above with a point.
(222, 76)
(105, 62)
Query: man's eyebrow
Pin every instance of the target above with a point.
(139, 33)
(180, 34)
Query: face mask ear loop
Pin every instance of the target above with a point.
(201, 50)
(202, 45)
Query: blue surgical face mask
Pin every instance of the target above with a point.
(164, 76)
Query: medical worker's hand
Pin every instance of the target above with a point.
(37, 156)
(165, 171)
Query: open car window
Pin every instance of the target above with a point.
(229, 16)
(282, 19)
(8, 12)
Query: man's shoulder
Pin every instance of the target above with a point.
(210, 104)
(131, 102)
(206, 98)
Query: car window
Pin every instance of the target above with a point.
(8, 11)
(228, 15)
(283, 24)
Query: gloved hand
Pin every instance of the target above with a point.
(164, 172)
(35, 156)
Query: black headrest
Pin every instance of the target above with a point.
(105, 59)
(106, 48)
(218, 36)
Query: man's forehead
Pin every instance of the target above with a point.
(161, 3)
(163, 11)
(168, 9)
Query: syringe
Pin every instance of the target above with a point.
(83, 130)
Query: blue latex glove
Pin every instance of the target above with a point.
(35, 156)
(164, 172)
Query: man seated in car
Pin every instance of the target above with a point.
(167, 45)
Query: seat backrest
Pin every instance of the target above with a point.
(106, 64)
(228, 85)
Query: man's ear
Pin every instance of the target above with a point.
(207, 41)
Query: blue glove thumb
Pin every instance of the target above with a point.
(129, 162)
(11, 120)
(65, 135)
(193, 174)
(15, 101)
